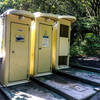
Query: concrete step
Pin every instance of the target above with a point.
(83, 75)
(70, 89)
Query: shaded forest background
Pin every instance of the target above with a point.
(85, 34)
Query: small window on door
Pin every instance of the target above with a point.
(64, 30)
(62, 60)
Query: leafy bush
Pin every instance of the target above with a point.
(89, 46)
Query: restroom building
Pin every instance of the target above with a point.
(32, 44)
(42, 44)
(61, 42)
(15, 27)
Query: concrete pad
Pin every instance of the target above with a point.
(88, 75)
(74, 89)
(32, 91)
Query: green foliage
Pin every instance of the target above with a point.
(90, 45)
(16, 4)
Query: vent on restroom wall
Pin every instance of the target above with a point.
(62, 60)
(64, 30)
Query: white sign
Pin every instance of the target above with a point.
(45, 41)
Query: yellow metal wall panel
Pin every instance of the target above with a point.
(32, 50)
(6, 64)
(69, 46)
(54, 47)
(58, 42)
(16, 18)
(39, 21)
(18, 52)
(55, 50)
(65, 22)
(45, 43)
(47, 21)
(62, 43)
(35, 66)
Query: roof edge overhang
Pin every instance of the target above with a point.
(38, 14)
(45, 15)
(18, 12)
(67, 17)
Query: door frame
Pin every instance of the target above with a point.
(51, 47)
(10, 48)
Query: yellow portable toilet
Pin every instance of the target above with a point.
(15, 45)
(61, 50)
(41, 44)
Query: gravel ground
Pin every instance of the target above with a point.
(87, 61)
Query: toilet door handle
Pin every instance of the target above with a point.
(40, 48)
(13, 51)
